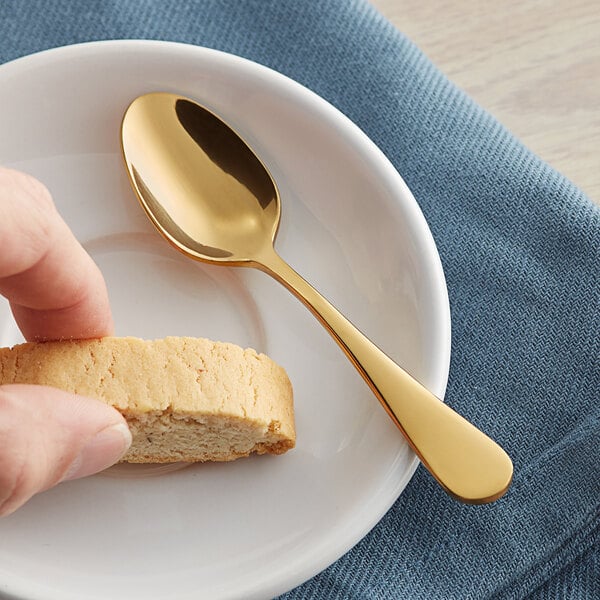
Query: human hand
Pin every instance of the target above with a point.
(56, 292)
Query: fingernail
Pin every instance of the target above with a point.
(102, 451)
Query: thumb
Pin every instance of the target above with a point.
(48, 436)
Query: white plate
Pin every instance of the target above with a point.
(258, 526)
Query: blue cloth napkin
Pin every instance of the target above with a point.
(520, 247)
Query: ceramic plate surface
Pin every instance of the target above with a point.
(259, 526)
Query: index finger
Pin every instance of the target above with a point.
(55, 289)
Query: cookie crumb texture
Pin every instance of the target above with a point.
(185, 399)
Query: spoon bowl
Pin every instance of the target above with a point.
(212, 198)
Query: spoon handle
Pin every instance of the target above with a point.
(466, 462)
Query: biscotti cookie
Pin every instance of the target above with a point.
(184, 399)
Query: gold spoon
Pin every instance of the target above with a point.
(213, 199)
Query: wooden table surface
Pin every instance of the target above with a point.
(535, 65)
